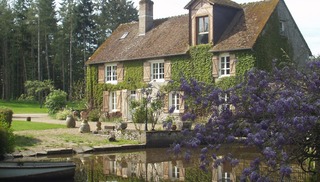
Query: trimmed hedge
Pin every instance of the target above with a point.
(6, 116)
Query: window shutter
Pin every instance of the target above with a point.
(167, 70)
(147, 71)
(118, 100)
(181, 102)
(166, 103)
(120, 72)
(232, 65)
(101, 73)
(105, 101)
(215, 66)
(125, 104)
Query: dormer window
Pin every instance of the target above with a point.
(203, 30)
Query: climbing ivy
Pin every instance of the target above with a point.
(197, 64)
(271, 45)
(133, 79)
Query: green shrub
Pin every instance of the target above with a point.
(62, 115)
(114, 117)
(6, 116)
(55, 101)
(138, 110)
(6, 139)
(94, 115)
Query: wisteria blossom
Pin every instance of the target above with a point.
(275, 112)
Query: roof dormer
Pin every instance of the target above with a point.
(209, 19)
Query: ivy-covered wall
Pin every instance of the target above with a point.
(271, 45)
(133, 79)
(198, 65)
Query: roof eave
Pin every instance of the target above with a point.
(141, 58)
(230, 50)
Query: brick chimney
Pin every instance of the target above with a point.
(145, 16)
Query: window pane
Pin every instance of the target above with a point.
(203, 30)
(206, 24)
(161, 70)
(203, 39)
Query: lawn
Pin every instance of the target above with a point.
(23, 107)
(25, 125)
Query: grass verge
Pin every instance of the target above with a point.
(23, 107)
(25, 125)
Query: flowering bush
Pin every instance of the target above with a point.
(269, 111)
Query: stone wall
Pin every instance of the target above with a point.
(160, 139)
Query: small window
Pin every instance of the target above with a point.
(124, 35)
(111, 73)
(157, 70)
(203, 30)
(224, 65)
(113, 102)
(282, 27)
(133, 95)
(175, 172)
(224, 99)
(174, 101)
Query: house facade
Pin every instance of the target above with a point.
(215, 41)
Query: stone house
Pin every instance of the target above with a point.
(144, 52)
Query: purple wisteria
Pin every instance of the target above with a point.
(275, 112)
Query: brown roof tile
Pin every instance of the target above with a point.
(169, 36)
(245, 28)
(220, 2)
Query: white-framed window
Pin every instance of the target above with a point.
(113, 101)
(111, 73)
(133, 95)
(174, 100)
(175, 172)
(226, 177)
(202, 30)
(157, 70)
(224, 98)
(224, 65)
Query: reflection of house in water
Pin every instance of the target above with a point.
(160, 166)
(134, 165)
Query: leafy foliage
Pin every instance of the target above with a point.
(94, 115)
(55, 101)
(6, 139)
(268, 110)
(6, 116)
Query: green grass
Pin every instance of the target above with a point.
(22, 142)
(23, 107)
(25, 125)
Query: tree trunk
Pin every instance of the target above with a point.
(47, 56)
(39, 64)
(70, 62)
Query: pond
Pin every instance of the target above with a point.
(158, 165)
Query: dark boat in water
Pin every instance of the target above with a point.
(14, 171)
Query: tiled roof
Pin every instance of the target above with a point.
(247, 25)
(169, 36)
(220, 2)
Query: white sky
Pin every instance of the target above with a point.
(306, 14)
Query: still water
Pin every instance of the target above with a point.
(157, 165)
